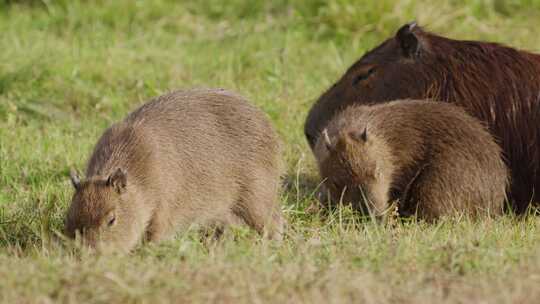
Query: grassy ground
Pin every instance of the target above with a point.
(68, 69)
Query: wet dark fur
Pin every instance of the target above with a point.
(497, 84)
(204, 157)
(432, 158)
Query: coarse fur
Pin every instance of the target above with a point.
(432, 158)
(200, 157)
(497, 84)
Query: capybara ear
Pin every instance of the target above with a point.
(407, 39)
(75, 179)
(118, 180)
(360, 136)
(327, 141)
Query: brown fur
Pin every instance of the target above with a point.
(494, 83)
(432, 158)
(203, 157)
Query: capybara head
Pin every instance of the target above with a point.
(388, 72)
(391, 71)
(101, 212)
(352, 165)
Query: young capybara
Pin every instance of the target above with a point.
(201, 157)
(433, 159)
(498, 85)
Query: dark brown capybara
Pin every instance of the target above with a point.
(497, 84)
(433, 159)
(202, 157)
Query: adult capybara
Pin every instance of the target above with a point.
(496, 84)
(432, 158)
(200, 157)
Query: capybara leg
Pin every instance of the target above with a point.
(234, 220)
(154, 232)
(274, 228)
(231, 219)
(259, 209)
(217, 227)
(268, 222)
(158, 229)
(418, 199)
(277, 226)
(434, 197)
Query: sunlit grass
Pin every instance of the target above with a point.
(68, 69)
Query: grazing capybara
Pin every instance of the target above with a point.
(433, 159)
(201, 157)
(496, 84)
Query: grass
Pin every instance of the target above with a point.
(68, 69)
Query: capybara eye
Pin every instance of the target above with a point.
(111, 221)
(364, 75)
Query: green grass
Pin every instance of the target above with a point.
(68, 69)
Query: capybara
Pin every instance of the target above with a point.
(433, 159)
(498, 85)
(203, 157)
